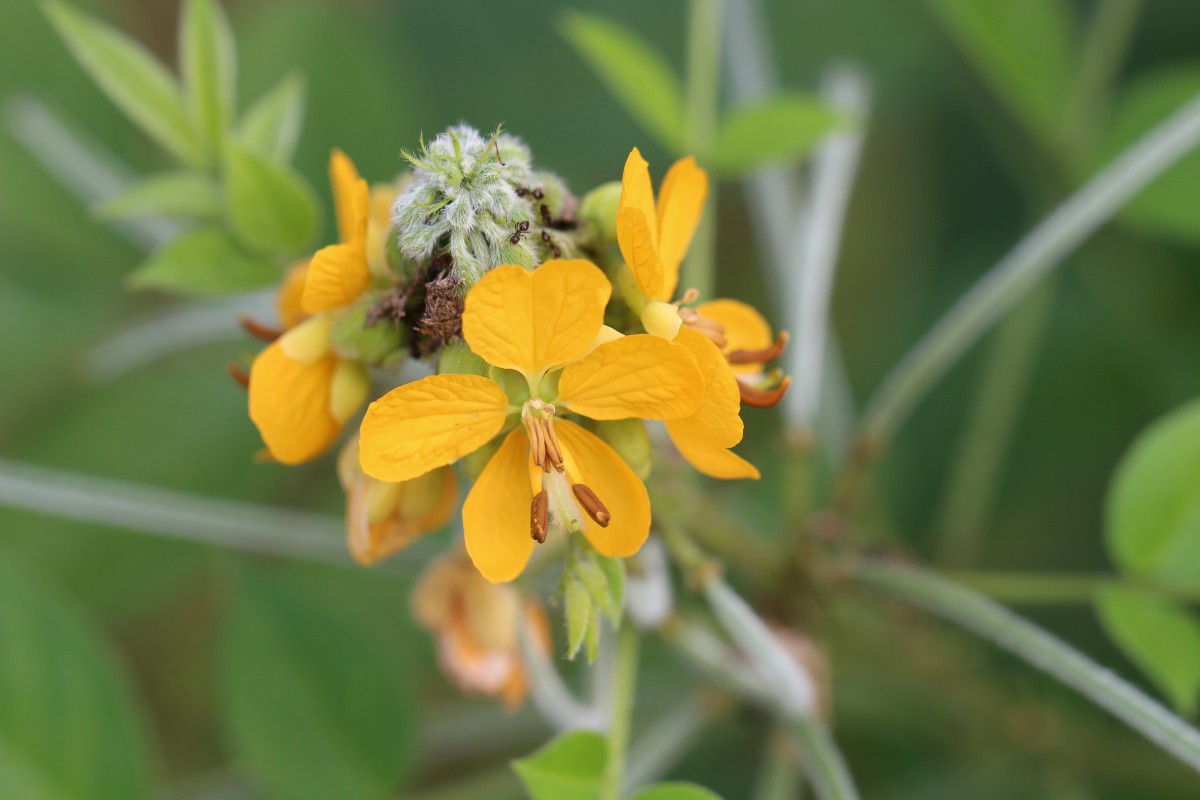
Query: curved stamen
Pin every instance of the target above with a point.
(238, 374)
(761, 356)
(709, 327)
(764, 398)
(591, 504)
(263, 333)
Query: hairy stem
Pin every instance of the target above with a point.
(1044, 651)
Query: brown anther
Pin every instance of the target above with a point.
(542, 441)
(764, 398)
(258, 330)
(539, 517)
(591, 504)
(238, 374)
(760, 356)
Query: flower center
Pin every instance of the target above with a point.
(700, 324)
(555, 506)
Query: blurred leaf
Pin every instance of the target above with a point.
(1154, 502)
(181, 195)
(132, 78)
(208, 59)
(270, 206)
(637, 74)
(204, 261)
(578, 609)
(1170, 205)
(271, 127)
(314, 705)
(68, 726)
(675, 791)
(783, 128)
(1160, 637)
(569, 768)
(595, 581)
(1025, 49)
(614, 572)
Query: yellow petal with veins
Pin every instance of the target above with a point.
(745, 328)
(496, 513)
(639, 251)
(289, 404)
(347, 194)
(592, 462)
(532, 321)
(337, 275)
(429, 423)
(288, 301)
(680, 204)
(639, 376)
(704, 437)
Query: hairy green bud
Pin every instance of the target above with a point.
(598, 212)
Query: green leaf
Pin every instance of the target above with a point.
(637, 75)
(68, 725)
(208, 58)
(131, 77)
(203, 262)
(1153, 514)
(314, 705)
(614, 573)
(1169, 205)
(270, 206)
(1160, 637)
(675, 791)
(591, 637)
(579, 610)
(177, 195)
(1024, 49)
(595, 581)
(569, 768)
(783, 128)
(271, 127)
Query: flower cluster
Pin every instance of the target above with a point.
(557, 331)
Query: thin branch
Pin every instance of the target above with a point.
(556, 703)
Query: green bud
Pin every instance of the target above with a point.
(474, 462)
(548, 388)
(352, 337)
(512, 382)
(598, 212)
(557, 198)
(631, 441)
(458, 359)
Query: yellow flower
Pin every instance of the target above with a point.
(475, 623)
(654, 238)
(383, 518)
(301, 391)
(543, 333)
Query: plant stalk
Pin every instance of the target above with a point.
(703, 86)
(624, 688)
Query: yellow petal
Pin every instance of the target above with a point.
(532, 321)
(337, 275)
(639, 376)
(308, 341)
(383, 197)
(680, 204)
(661, 319)
(745, 328)
(496, 513)
(429, 423)
(704, 437)
(636, 239)
(351, 385)
(347, 188)
(289, 403)
(383, 518)
(288, 301)
(592, 462)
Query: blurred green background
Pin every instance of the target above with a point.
(164, 668)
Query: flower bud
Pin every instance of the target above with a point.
(598, 212)
(630, 439)
(397, 263)
(354, 336)
(458, 359)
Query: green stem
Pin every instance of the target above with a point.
(1016, 274)
(779, 777)
(624, 687)
(824, 767)
(1104, 51)
(1057, 589)
(975, 473)
(703, 69)
(1042, 650)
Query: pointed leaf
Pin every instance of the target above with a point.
(131, 77)
(1153, 515)
(578, 610)
(591, 637)
(1160, 637)
(208, 59)
(675, 791)
(638, 76)
(271, 127)
(593, 578)
(315, 705)
(68, 725)
(569, 768)
(784, 128)
(202, 262)
(179, 195)
(614, 573)
(270, 206)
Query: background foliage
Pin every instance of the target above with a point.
(185, 670)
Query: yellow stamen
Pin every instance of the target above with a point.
(543, 443)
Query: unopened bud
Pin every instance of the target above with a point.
(356, 335)
(308, 342)
(598, 212)
(631, 441)
(458, 359)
